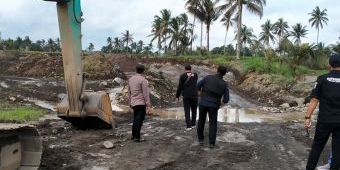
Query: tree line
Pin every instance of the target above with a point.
(174, 35)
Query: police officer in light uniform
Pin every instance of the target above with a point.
(326, 92)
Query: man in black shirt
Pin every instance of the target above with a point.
(326, 92)
(213, 88)
(187, 88)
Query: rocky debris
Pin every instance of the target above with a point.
(268, 90)
(113, 70)
(108, 144)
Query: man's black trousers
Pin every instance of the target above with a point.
(322, 133)
(139, 113)
(190, 103)
(212, 112)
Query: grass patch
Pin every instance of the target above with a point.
(16, 113)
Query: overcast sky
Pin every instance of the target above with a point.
(110, 18)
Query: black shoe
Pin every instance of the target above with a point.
(201, 142)
(139, 139)
(212, 146)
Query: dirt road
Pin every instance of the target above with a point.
(277, 145)
(252, 146)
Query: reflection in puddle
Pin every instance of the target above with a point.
(234, 115)
(3, 84)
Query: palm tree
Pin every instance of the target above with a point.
(286, 46)
(256, 46)
(187, 32)
(247, 36)
(236, 6)
(148, 49)
(165, 21)
(127, 38)
(50, 44)
(303, 54)
(318, 19)
(336, 47)
(227, 22)
(209, 14)
(267, 33)
(281, 28)
(174, 33)
(133, 47)
(157, 32)
(194, 9)
(298, 32)
(140, 45)
(117, 44)
(109, 44)
(90, 48)
(192, 4)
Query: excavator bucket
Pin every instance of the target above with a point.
(20, 147)
(81, 108)
(97, 111)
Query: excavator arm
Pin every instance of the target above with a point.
(21, 144)
(80, 108)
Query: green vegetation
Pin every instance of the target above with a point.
(280, 69)
(16, 113)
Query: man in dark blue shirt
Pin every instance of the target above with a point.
(326, 92)
(212, 88)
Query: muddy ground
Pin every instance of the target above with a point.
(241, 146)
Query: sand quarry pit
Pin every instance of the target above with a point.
(248, 145)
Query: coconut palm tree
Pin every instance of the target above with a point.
(187, 32)
(117, 44)
(175, 33)
(281, 28)
(90, 48)
(140, 45)
(285, 47)
(157, 32)
(148, 49)
(318, 19)
(192, 4)
(267, 34)
(336, 47)
(194, 9)
(209, 14)
(298, 32)
(165, 21)
(256, 46)
(109, 45)
(247, 36)
(127, 38)
(236, 6)
(227, 21)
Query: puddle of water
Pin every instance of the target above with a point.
(113, 93)
(234, 115)
(3, 84)
(42, 104)
(99, 168)
(49, 117)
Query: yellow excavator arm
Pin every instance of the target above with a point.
(21, 144)
(80, 108)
